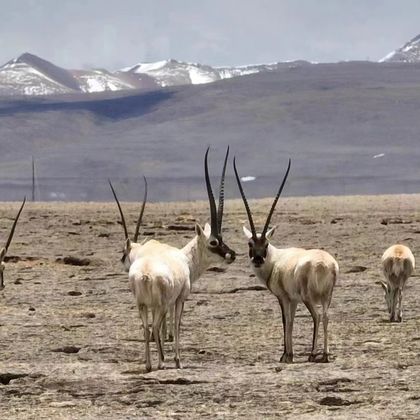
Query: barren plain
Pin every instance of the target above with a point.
(71, 346)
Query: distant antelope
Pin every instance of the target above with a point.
(3, 250)
(397, 264)
(293, 275)
(161, 275)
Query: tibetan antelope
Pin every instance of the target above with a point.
(161, 275)
(397, 265)
(293, 275)
(3, 250)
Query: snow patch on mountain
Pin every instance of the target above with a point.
(173, 72)
(100, 81)
(408, 53)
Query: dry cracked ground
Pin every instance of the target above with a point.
(71, 345)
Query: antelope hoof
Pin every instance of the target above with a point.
(178, 364)
(148, 367)
(161, 366)
(170, 338)
(286, 358)
(312, 358)
(324, 359)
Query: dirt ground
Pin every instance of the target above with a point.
(71, 345)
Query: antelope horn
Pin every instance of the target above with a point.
(9, 240)
(248, 210)
(136, 234)
(275, 200)
(120, 210)
(222, 195)
(213, 215)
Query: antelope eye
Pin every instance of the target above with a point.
(214, 243)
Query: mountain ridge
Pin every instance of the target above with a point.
(29, 75)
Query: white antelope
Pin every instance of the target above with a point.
(293, 275)
(161, 275)
(397, 264)
(3, 250)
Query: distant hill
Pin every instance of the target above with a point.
(350, 128)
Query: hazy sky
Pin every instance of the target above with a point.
(114, 34)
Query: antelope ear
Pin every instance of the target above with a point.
(2, 254)
(270, 232)
(384, 285)
(199, 230)
(247, 232)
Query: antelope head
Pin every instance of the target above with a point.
(211, 236)
(3, 250)
(130, 244)
(258, 242)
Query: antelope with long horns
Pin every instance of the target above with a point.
(397, 265)
(161, 275)
(3, 251)
(293, 275)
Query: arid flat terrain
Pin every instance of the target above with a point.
(71, 345)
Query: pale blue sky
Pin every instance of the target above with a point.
(114, 34)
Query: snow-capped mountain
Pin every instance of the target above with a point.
(32, 75)
(408, 53)
(173, 72)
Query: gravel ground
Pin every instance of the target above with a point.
(71, 344)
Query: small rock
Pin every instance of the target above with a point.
(67, 349)
(31, 308)
(180, 227)
(74, 261)
(217, 269)
(356, 269)
(74, 293)
(18, 281)
(5, 378)
(59, 404)
(395, 221)
(334, 401)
